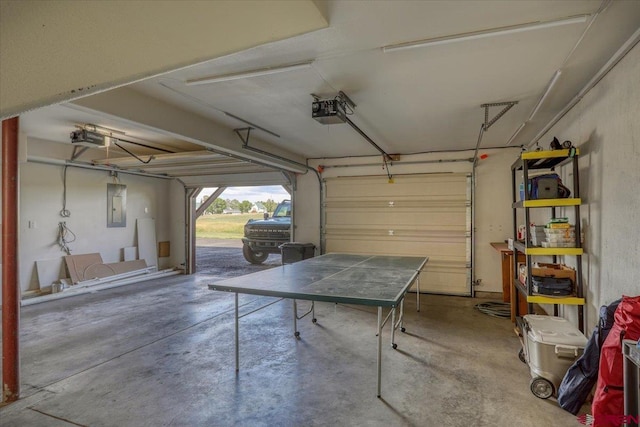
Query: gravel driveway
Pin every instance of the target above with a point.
(223, 258)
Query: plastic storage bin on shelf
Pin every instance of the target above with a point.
(550, 346)
(560, 237)
(537, 234)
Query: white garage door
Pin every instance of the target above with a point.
(427, 214)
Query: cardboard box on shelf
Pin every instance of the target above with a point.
(559, 271)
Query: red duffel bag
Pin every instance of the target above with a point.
(608, 404)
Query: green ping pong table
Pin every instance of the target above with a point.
(370, 280)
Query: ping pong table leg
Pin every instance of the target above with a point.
(311, 311)
(237, 337)
(418, 292)
(393, 327)
(379, 347)
(395, 324)
(295, 320)
(401, 320)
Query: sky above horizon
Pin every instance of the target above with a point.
(252, 194)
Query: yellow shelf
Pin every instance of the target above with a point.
(547, 251)
(547, 203)
(553, 251)
(534, 155)
(540, 299)
(544, 159)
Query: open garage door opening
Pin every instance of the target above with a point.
(231, 235)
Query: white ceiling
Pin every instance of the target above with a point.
(418, 100)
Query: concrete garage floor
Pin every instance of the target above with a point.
(161, 353)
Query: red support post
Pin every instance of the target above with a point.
(10, 294)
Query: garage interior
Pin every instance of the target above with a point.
(117, 115)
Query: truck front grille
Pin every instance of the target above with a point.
(268, 233)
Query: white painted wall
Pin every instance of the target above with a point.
(493, 193)
(605, 126)
(41, 189)
(493, 219)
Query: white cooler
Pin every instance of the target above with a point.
(551, 345)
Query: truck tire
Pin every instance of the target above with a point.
(252, 256)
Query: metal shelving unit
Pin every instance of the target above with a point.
(546, 160)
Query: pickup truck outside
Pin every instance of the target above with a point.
(264, 236)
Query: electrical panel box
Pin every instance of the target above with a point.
(328, 112)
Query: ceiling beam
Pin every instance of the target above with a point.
(182, 158)
(192, 166)
(150, 113)
(202, 169)
(81, 61)
(235, 180)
